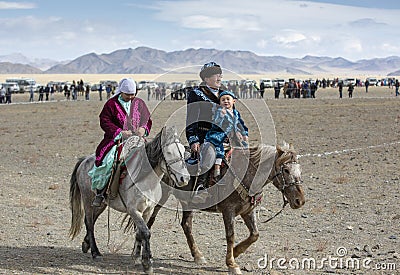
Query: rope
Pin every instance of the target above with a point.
(285, 202)
(344, 151)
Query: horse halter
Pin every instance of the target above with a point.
(281, 178)
(172, 161)
(283, 187)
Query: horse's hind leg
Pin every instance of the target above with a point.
(85, 244)
(187, 229)
(91, 215)
(250, 221)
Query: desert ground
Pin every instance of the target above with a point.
(349, 152)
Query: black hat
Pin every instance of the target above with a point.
(210, 69)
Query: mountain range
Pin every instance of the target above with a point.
(144, 60)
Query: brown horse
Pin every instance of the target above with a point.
(279, 166)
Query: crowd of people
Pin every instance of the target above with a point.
(245, 89)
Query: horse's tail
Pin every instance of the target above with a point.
(75, 202)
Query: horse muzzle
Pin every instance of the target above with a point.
(182, 180)
(295, 196)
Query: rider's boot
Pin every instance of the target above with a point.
(98, 200)
(201, 194)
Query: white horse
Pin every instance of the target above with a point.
(138, 193)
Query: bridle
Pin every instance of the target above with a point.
(279, 176)
(168, 163)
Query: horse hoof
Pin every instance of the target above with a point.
(200, 260)
(97, 256)
(149, 271)
(136, 259)
(235, 271)
(85, 247)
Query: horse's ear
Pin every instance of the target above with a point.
(279, 150)
(164, 130)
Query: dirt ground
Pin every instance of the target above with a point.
(350, 223)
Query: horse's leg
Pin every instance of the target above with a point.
(186, 224)
(250, 221)
(229, 222)
(154, 215)
(163, 200)
(137, 247)
(91, 215)
(142, 240)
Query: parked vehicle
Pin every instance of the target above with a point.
(144, 84)
(192, 83)
(372, 81)
(267, 82)
(13, 86)
(96, 87)
(347, 81)
(111, 83)
(24, 84)
(281, 81)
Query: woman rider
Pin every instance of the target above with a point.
(122, 116)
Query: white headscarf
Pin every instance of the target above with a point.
(127, 86)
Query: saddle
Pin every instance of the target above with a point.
(125, 152)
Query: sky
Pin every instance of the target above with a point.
(65, 30)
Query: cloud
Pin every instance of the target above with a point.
(269, 27)
(289, 38)
(203, 22)
(16, 5)
(282, 27)
(366, 23)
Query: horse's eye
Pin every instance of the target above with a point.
(286, 170)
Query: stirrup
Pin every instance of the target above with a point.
(200, 195)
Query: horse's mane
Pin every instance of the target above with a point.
(154, 147)
(258, 151)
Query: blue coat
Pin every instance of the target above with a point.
(225, 126)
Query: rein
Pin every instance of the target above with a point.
(282, 189)
(285, 202)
